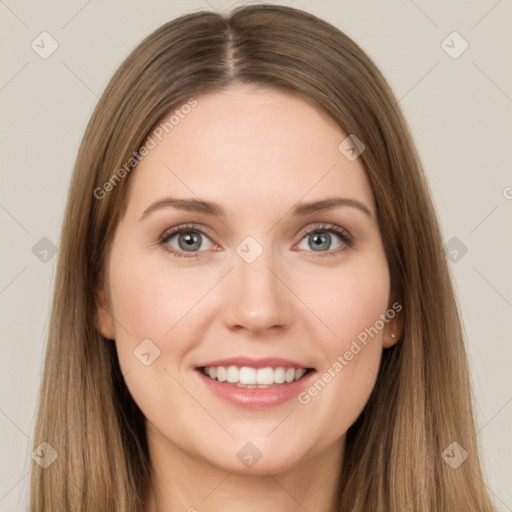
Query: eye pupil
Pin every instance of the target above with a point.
(190, 240)
(323, 240)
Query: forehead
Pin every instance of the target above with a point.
(248, 147)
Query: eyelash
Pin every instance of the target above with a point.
(346, 238)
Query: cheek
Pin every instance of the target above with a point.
(350, 300)
(148, 299)
(361, 302)
(351, 303)
(148, 304)
(154, 301)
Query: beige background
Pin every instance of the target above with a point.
(459, 111)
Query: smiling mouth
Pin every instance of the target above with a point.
(258, 378)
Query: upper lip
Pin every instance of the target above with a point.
(263, 362)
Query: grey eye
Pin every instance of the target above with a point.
(188, 240)
(319, 241)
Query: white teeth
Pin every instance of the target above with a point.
(246, 376)
(290, 375)
(265, 376)
(300, 373)
(279, 375)
(232, 374)
(221, 373)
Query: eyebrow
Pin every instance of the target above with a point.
(213, 209)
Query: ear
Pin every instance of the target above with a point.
(393, 329)
(104, 319)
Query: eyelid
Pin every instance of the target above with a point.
(176, 230)
(185, 227)
(322, 226)
(347, 240)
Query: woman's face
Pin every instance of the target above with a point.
(260, 281)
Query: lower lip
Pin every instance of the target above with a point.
(256, 398)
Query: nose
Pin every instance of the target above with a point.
(257, 300)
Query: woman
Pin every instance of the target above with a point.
(252, 305)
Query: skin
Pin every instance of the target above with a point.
(256, 152)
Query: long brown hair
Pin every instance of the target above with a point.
(421, 403)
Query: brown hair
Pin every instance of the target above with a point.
(421, 402)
